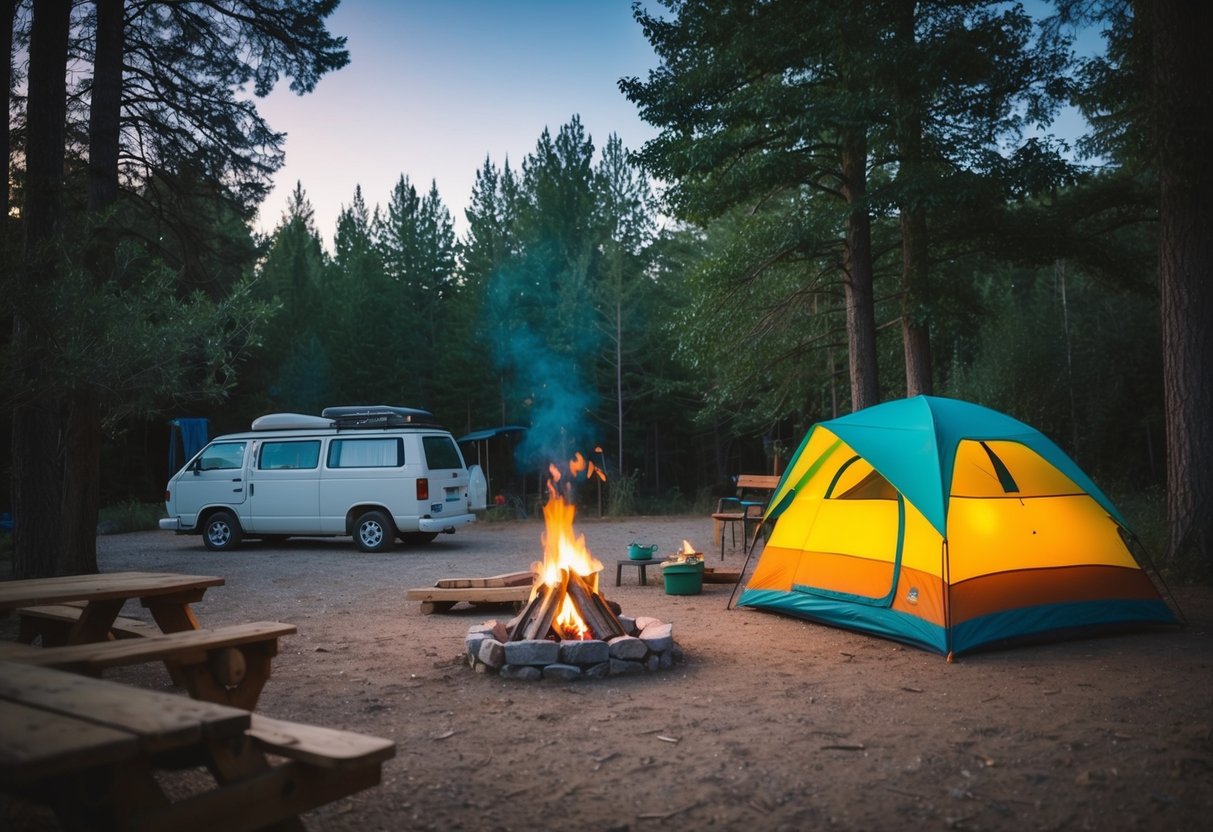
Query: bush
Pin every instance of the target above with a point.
(131, 516)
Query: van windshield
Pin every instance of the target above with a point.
(441, 452)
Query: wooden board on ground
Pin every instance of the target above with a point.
(508, 579)
(720, 576)
(443, 599)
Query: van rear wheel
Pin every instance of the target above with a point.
(373, 532)
(222, 532)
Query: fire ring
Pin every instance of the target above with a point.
(646, 646)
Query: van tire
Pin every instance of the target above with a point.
(374, 532)
(222, 532)
(418, 538)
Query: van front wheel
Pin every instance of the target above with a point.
(222, 532)
(373, 532)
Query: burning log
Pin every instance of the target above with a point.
(539, 623)
(599, 619)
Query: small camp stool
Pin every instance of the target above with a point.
(641, 567)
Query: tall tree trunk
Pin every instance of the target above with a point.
(82, 467)
(9, 11)
(37, 417)
(915, 244)
(857, 281)
(1183, 98)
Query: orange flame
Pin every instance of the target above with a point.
(687, 548)
(564, 550)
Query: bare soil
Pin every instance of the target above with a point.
(770, 723)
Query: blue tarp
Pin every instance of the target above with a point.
(194, 435)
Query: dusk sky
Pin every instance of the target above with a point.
(435, 86)
(432, 88)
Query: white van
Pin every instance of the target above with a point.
(376, 473)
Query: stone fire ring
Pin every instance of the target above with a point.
(648, 647)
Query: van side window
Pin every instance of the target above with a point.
(289, 455)
(441, 452)
(222, 456)
(387, 452)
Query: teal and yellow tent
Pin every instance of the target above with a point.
(949, 526)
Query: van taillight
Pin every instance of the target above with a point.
(168, 495)
(423, 488)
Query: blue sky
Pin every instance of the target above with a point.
(433, 87)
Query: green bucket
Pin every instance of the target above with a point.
(683, 578)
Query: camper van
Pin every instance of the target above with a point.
(378, 473)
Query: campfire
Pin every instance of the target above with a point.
(568, 629)
(565, 601)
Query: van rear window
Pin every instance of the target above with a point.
(441, 452)
(387, 452)
(289, 455)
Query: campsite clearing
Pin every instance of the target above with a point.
(772, 722)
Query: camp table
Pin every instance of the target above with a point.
(166, 596)
(92, 749)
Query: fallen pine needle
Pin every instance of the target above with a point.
(446, 735)
(843, 747)
(911, 690)
(664, 738)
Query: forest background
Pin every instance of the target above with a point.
(844, 204)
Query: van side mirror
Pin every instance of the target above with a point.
(196, 466)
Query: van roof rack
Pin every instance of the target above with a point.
(376, 416)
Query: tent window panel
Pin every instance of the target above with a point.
(864, 528)
(851, 473)
(976, 474)
(871, 487)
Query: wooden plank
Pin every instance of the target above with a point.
(187, 646)
(162, 721)
(35, 744)
(482, 595)
(720, 576)
(122, 627)
(326, 747)
(758, 481)
(507, 579)
(36, 591)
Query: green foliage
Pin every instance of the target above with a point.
(1079, 362)
(134, 339)
(130, 516)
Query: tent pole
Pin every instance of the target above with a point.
(744, 566)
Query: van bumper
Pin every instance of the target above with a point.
(444, 524)
(170, 524)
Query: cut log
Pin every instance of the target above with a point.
(721, 576)
(538, 626)
(507, 579)
(600, 621)
(528, 612)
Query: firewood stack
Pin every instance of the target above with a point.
(538, 619)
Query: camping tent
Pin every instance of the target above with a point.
(949, 526)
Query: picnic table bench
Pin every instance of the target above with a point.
(227, 665)
(748, 506)
(91, 749)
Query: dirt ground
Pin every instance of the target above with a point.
(771, 723)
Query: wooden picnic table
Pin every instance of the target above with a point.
(166, 596)
(91, 749)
